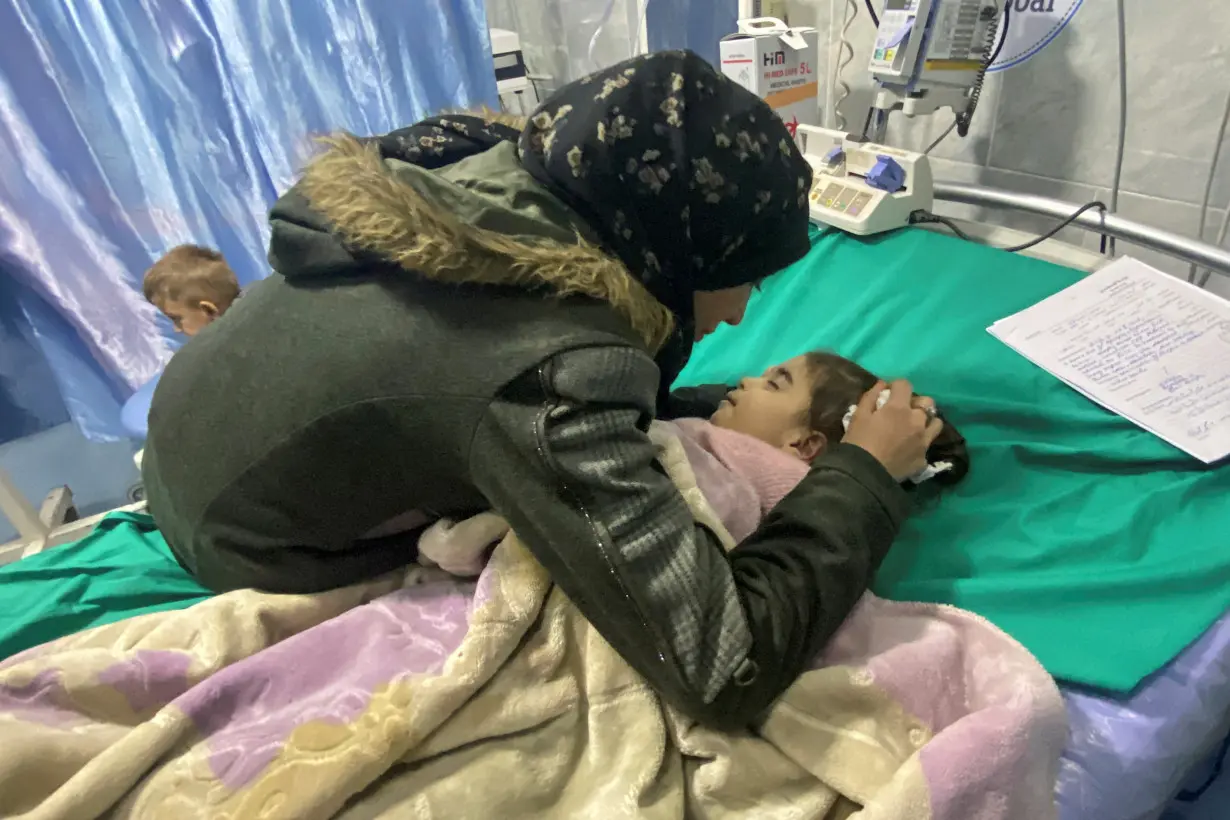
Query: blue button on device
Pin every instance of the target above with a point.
(886, 174)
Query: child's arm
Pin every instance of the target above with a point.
(461, 547)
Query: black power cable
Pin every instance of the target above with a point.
(872, 12)
(1088, 206)
(957, 120)
(1003, 37)
(964, 118)
(922, 217)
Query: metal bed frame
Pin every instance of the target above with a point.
(55, 522)
(1180, 247)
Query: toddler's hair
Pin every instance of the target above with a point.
(838, 383)
(192, 273)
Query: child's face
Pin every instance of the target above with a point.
(774, 408)
(189, 318)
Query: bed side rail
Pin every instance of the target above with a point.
(1167, 242)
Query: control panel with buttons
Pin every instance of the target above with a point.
(861, 187)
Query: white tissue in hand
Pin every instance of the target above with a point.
(926, 473)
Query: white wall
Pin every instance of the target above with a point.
(1049, 125)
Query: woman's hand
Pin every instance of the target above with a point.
(898, 434)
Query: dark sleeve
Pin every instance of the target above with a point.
(670, 361)
(692, 402)
(564, 455)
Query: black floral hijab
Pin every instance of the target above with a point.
(442, 140)
(687, 178)
(690, 180)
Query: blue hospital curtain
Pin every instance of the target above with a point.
(698, 25)
(130, 126)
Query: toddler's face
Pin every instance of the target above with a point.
(189, 318)
(774, 408)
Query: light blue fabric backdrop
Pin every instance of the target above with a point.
(129, 127)
(698, 25)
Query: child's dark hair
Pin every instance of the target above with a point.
(838, 383)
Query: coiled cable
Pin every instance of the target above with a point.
(845, 56)
(992, 51)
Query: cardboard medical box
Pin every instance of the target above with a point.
(778, 63)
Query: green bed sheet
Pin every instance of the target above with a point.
(1101, 548)
(123, 568)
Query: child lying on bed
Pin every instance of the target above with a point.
(746, 456)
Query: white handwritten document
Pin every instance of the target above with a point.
(1145, 345)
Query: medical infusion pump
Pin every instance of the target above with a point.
(932, 54)
(862, 187)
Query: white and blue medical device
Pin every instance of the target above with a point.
(863, 187)
(928, 55)
(932, 54)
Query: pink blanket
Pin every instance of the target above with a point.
(442, 699)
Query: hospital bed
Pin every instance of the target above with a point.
(1127, 754)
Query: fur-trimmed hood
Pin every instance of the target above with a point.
(483, 220)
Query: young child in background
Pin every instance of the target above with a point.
(192, 286)
(746, 457)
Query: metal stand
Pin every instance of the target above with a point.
(19, 511)
(55, 522)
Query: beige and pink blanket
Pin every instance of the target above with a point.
(421, 696)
